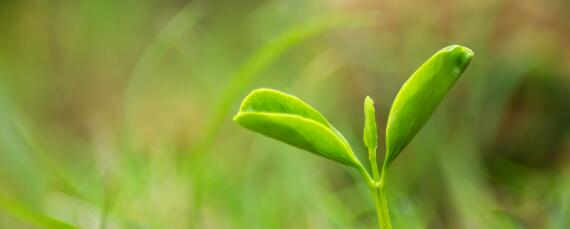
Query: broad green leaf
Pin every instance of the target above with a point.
(370, 131)
(288, 119)
(421, 94)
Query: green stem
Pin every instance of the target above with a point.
(378, 192)
(384, 174)
(378, 205)
(382, 210)
(373, 163)
(371, 183)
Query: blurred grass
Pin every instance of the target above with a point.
(115, 114)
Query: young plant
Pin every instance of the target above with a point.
(288, 119)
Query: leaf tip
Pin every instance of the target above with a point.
(462, 54)
(368, 101)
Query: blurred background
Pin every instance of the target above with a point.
(117, 114)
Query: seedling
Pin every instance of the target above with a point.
(288, 119)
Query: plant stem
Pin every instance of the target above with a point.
(378, 205)
(380, 201)
(384, 171)
(373, 163)
(371, 183)
(382, 211)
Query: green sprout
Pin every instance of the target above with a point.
(288, 119)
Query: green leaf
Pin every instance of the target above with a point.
(421, 94)
(288, 119)
(370, 131)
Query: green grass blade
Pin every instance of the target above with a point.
(28, 216)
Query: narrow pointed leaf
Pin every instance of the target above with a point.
(288, 119)
(370, 131)
(421, 94)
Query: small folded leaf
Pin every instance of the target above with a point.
(370, 131)
(288, 119)
(421, 94)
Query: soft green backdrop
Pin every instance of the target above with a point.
(117, 114)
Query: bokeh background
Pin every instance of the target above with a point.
(117, 114)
